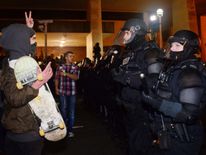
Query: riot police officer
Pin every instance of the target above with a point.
(140, 56)
(178, 98)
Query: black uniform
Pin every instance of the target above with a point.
(178, 98)
(140, 56)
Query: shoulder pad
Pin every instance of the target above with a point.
(190, 77)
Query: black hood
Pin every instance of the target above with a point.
(16, 40)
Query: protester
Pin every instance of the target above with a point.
(65, 86)
(21, 125)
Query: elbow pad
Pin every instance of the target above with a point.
(170, 108)
(154, 102)
(176, 111)
(154, 68)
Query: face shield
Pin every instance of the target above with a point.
(175, 48)
(119, 39)
(126, 36)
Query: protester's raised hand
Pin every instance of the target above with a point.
(29, 19)
(46, 74)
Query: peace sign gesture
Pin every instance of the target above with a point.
(29, 20)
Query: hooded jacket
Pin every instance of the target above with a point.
(17, 117)
(15, 40)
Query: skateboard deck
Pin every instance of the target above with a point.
(52, 125)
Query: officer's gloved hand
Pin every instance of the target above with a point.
(168, 108)
(151, 99)
(134, 80)
(119, 76)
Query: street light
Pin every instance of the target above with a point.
(44, 28)
(159, 15)
(152, 27)
(153, 18)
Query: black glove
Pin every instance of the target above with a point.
(168, 108)
(134, 80)
(119, 76)
(151, 100)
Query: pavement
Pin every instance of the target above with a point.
(91, 137)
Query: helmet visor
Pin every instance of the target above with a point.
(176, 39)
(124, 37)
(119, 40)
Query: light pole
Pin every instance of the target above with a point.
(159, 15)
(153, 19)
(45, 23)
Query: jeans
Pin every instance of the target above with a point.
(67, 108)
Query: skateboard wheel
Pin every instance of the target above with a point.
(40, 77)
(61, 125)
(41, 132)
(38, 99)
(19, 85)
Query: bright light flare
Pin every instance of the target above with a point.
(160, 12)
(153, 18)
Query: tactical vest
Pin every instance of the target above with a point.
(134, 59)
(132, 65)
(164, 84)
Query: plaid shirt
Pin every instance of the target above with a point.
(67, 86)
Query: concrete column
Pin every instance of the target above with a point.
(192, 14)
(184, 15)
(95, 17)
(180, 17)
(89, 46)
(203, 37)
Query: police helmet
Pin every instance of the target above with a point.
(139, 26)
(189, 40)
(137, 29)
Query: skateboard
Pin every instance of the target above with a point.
(44, 107)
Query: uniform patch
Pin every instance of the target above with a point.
(125, 61)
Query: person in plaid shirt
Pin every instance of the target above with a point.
(65, 86)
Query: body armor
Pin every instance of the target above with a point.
(172, 104)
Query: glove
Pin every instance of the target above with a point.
(168, 108)
(151, 100)
(119, 76)
(134, 81)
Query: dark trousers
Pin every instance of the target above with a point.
(138, 131)
(178, 147)
(23, 148)
(2, 132)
